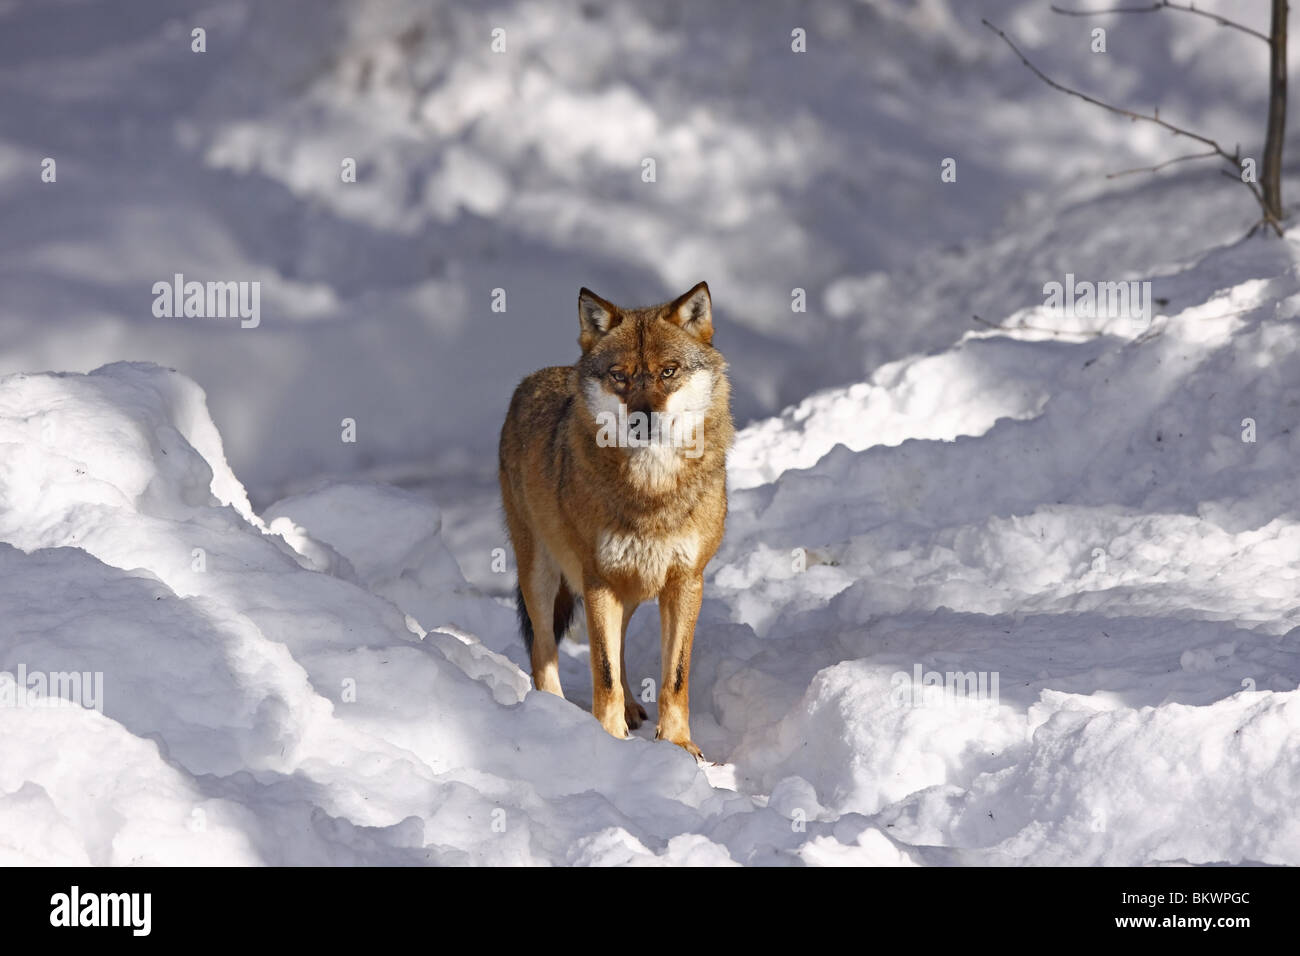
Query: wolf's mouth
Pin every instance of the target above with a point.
(638, 430)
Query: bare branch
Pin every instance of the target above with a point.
(1268, 219)
(1176, 130)
(1166, 5)
(1210, 154)
(1215, 148)
(1037, 328)
(1254, 190)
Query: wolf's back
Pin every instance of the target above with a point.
(538, 409)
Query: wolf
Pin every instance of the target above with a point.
(614, 487)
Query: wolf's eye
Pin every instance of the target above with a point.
(668, 372)
(617, 376)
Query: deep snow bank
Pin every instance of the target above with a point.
(257, 710)
(1111, 527)
(1074, 522)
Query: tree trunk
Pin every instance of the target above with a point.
(1272, 170)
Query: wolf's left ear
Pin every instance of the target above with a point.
(694, 313)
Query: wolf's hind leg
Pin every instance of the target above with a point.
(540, 590)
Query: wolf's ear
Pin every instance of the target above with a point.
(596, 316)
(694, 313)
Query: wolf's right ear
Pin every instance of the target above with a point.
(596, 317)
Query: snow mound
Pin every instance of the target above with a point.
(1029, 600)
(230, 703)
(1116, 552)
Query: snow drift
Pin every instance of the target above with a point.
(1097, 543)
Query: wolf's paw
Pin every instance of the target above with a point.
(687, 744)
(615, 725)
(634, 714)
(693, 750)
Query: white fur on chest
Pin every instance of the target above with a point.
(654, 468)
(648, 558)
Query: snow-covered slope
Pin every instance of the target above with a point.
(1100, 520)
(254, 710)
(521, 171)
(1075, 517)
(1125, 560)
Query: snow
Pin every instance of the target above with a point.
(521, 171)
(325, 685)
(307, 649)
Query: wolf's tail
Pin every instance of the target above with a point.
(565, 607)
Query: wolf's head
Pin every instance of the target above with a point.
(652, 380)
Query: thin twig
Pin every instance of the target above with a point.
(1210, 154)
(1233, 158)
(1036, 328)
(1265, 220)
(1176, 130)
(1155, 331)
(1166, 5)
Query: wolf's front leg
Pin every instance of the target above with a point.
(632, 710)
(679, 606)
(605, 634)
